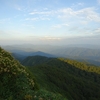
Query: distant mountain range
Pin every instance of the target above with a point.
(22, 55)
(77, 52)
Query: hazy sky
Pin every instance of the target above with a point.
(49, 21)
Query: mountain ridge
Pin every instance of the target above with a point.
(70, 78)
(91, 55)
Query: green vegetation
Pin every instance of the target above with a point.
(73, 80)
(15, 80)
(82, 66)
(18, 83)
(57, 78)
(46, 95)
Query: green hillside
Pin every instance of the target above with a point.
(72, 79)
(18, 83)
(83, 66)
(34, 60)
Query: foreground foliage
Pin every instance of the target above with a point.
(15, 80)
(46, 95)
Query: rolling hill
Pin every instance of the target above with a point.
(74, 80)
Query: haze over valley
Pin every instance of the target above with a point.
(84, 53)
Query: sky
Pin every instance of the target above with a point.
(58, 22)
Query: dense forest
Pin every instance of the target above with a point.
(74, 80)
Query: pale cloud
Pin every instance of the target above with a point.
(84, 31)
(66, 12)
(45, 8)
(73, 28)
(20, 7)
(38, 18)
(77, 5)
(44, 39)
(46, 13)
(59, 26)
(50, 38)
(56, 26)
(2, 32)
(65, 24)
(43, 18)
(98, 1)
(80, 4)
(26, 25)
(89, 14)
(84, 22)
(17, 7)
(80, 31)
(33, 19)
(5, 20)
(97, 31)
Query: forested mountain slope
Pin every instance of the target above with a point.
(72, 79)
(18, 83)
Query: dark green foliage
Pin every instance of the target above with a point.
(83, 66)
(15, 81)
(34, 60)
(45, 95)
(18, 83)
(72, 79)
